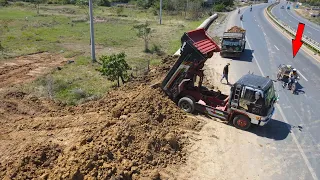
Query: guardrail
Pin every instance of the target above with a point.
(206, 24)
(314, 45)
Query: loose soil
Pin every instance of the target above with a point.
(27, 68)
(133, 132)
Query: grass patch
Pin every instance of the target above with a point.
(75, 83)
(64, 29)
(31, 33)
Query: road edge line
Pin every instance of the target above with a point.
(287, 35)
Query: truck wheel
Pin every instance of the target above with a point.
(186, 104)
(241, 122)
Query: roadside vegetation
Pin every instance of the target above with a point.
(306, 10)
(62, 28)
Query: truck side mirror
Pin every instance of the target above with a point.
(257, 95)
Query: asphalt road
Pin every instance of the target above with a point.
(292, 19)
(292, 139)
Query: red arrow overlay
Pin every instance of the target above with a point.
(297, 43)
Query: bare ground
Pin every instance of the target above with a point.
(133, 132)
(27, 68)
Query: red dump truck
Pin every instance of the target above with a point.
(251, 99)
(233, 42)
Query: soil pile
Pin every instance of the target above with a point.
(236, 29)
(132, 132)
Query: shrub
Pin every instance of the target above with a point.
(219, 7)
(115, 67)
(104, 3)
(3, 2)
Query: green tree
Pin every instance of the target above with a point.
(219, 7)
(144, 32)
(3, 2)
(104, 3)
(115, 67)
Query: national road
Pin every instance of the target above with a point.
(290, 17)
(292, 139)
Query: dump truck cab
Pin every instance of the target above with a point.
(254, 96)
(251, 99)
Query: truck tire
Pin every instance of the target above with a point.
(241, 122)
(186, 104)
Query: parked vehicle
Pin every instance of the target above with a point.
(251, 99)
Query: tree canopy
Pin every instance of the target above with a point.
(115, 67)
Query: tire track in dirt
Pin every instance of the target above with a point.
(26, 68)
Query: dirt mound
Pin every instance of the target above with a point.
(42, 156)
(132, 131)
(19, 104)
(236, 29)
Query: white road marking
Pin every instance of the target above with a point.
(302, 75)
(314, 175)
(276, 47)
(264, 33)
(309, 32)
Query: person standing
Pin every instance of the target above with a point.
(225, 73)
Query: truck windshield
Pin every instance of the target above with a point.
(230, 42)
(270, 95)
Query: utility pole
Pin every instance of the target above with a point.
(93, 53)
(160, 12)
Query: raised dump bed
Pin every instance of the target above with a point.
(196, 48)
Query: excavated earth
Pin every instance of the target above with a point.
(133, 132)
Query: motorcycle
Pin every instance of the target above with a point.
(250, 9)
(239, 11)
(241, 17)
(291, 86)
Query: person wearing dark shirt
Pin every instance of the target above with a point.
(225, 73)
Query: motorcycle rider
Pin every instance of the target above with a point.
(251, 7)
(241, 17)
(239, 11)
(292, 76)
